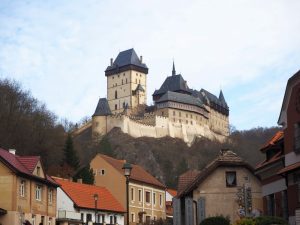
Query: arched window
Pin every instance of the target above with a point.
(116, 94)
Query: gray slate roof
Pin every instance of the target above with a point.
(181, 98)
(174, 83)
(211, 97)
(125, 58)
(139, 88)
(102, 108)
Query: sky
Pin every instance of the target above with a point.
(59, 50)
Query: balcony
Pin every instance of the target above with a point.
(63, 214)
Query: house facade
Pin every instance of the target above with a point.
(226, 186)
(77, 205)
(146, 193)
(289, 119)
(27, 192)
(274, 188)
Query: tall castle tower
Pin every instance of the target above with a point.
(126, 81)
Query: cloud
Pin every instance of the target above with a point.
(60, 49)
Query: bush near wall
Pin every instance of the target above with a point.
(217, 220)
(263, 220)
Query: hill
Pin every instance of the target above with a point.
(167, 157)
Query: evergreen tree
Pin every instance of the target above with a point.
(86, 174)
(70, 154)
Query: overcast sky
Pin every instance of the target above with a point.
(59, 50)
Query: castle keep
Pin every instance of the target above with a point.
(178, 111)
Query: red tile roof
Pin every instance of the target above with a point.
(186, 179)
(278, 136)
(83, 196)
(289, 168)
(23, 165)
(172, 192)
(137, 172)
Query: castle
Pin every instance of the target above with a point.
(178, 111)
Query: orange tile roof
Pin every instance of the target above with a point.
(137, 173)
(172, 192)
(186, 178)
(279, 135)
(83, 196)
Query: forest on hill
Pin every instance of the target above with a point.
(29, 127)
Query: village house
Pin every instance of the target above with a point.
(86, 204)
(27, 192)
(289, 119)
(170, 194)
(227, 186)
(146, 193)
(274, 189)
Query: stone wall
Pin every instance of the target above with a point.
(153, 126)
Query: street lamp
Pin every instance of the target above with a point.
(127, 171)
(96, 201)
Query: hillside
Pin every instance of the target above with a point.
(167, 157)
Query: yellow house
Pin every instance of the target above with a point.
(146, 193)
(26, 192)
(226, 186)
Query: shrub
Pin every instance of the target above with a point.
(217, 220)
(246, 221)
(269, 220)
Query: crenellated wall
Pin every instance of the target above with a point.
(152, 126)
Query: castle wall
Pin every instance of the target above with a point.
(163, 127)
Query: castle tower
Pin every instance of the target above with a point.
(126, 81)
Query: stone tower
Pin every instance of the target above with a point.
(126, 81)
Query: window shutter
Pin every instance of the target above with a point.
(176, 211)
(201, 209)
(189, 217)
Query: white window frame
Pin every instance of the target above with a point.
(160, 200)
(33, 217)
(132, 194)
(50, 195)
(140, 195)
(149, 197)
(132, 217)
(154, 198)
(38, 192)
(50, 221)
(22, 188)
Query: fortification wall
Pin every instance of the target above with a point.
(158, 127)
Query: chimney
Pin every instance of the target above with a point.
(12, 151)
(141, 59)
(79, 180)
(111, 61)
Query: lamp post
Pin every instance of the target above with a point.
(127, 171)
(96, 201)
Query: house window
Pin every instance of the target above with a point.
(33, 219)
(160, 200)
(132, 217)
(116, 106)
(22, 188)
(132, 194)
(297, 137)
(88, 217)
(50, 221)
(147, 197)
(173, 113)
(101, 172)
(148, 218)
(140, 195)
(38, 170)
(115, 219)
(154, 199)
(111, 219)
(231, 179)
(116, 94)
(50, 195)
(38, 192)
(82, 216)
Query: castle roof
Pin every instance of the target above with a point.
(180, 98)
(212, 98)
(102, 108)
(139, 88)
(174, 83)
(125, 60)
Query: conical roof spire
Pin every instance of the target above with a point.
(221, 98)
(173, 71)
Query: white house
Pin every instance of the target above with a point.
(79, 203)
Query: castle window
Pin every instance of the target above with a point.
(113, 78)
(116, 106)
(173, 113)
(187, 122)
(123, 105)
(192, 122)
(191, 116)
(179, 114)
(116, 94)
(126, 80)
(123, 74)
(187, 115)
(122, 81)
(136, 81)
